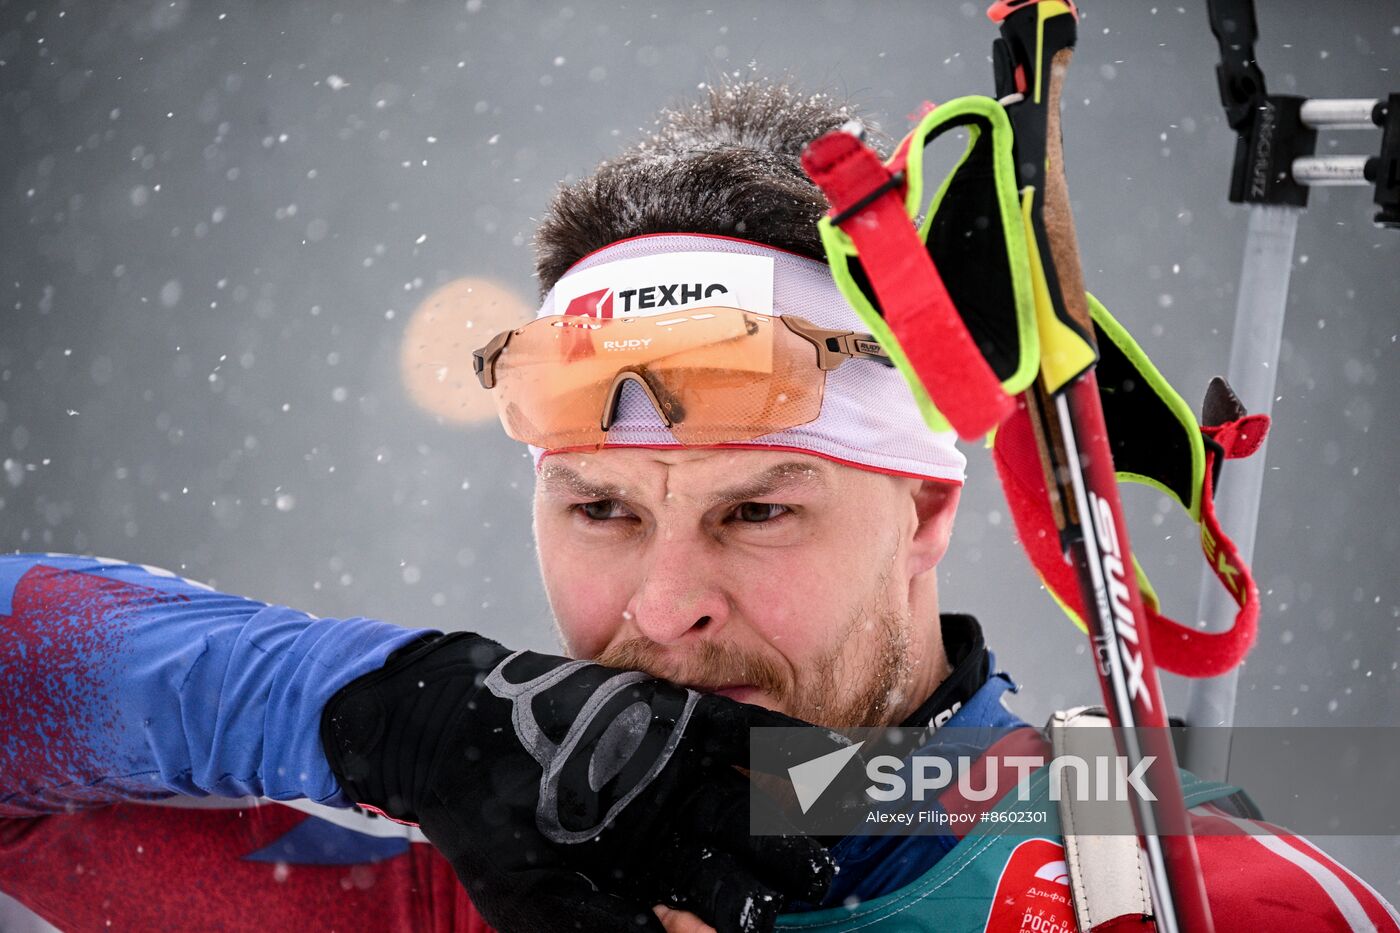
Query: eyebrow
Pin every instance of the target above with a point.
(775, 478)
(556, 475)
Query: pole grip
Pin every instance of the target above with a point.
(1059, 222)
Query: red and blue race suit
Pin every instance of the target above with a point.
(160, 768)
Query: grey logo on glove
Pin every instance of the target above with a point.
(615, 744)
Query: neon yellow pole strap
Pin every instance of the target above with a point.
(975, 240)
(1156, 441)
(973, 231)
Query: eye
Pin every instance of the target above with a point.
(602, 510)
(756, 513)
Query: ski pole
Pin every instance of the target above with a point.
(1031, 57)
(1274, 166)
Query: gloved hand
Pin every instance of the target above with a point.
(567, 795)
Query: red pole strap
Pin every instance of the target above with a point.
(868, 201)
(1178, 648)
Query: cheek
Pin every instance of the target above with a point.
(794, 602)
(587, 601)
(803, 603)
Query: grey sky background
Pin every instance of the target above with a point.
(217, 219)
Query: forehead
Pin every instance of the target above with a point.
(642, 472)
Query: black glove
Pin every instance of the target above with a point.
(567, 795)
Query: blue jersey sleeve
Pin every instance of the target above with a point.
(125, 682)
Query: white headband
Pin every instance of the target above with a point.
(868, 418)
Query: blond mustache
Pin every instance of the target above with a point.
(709, 665)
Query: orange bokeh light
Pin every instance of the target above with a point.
(435, 357)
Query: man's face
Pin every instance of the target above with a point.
(771, 577)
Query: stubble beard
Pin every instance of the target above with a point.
(861, 681)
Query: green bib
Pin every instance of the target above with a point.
(1000, 877)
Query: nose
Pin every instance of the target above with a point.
(682, 591)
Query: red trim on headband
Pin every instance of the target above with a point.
(776, 447)
(707, 236)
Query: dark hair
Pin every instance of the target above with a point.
(727, 164)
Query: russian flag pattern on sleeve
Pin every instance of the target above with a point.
(243, 866)
(125, 682)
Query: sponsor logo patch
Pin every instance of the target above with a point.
(649, 285)
(595, 304)
(1033, 893)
